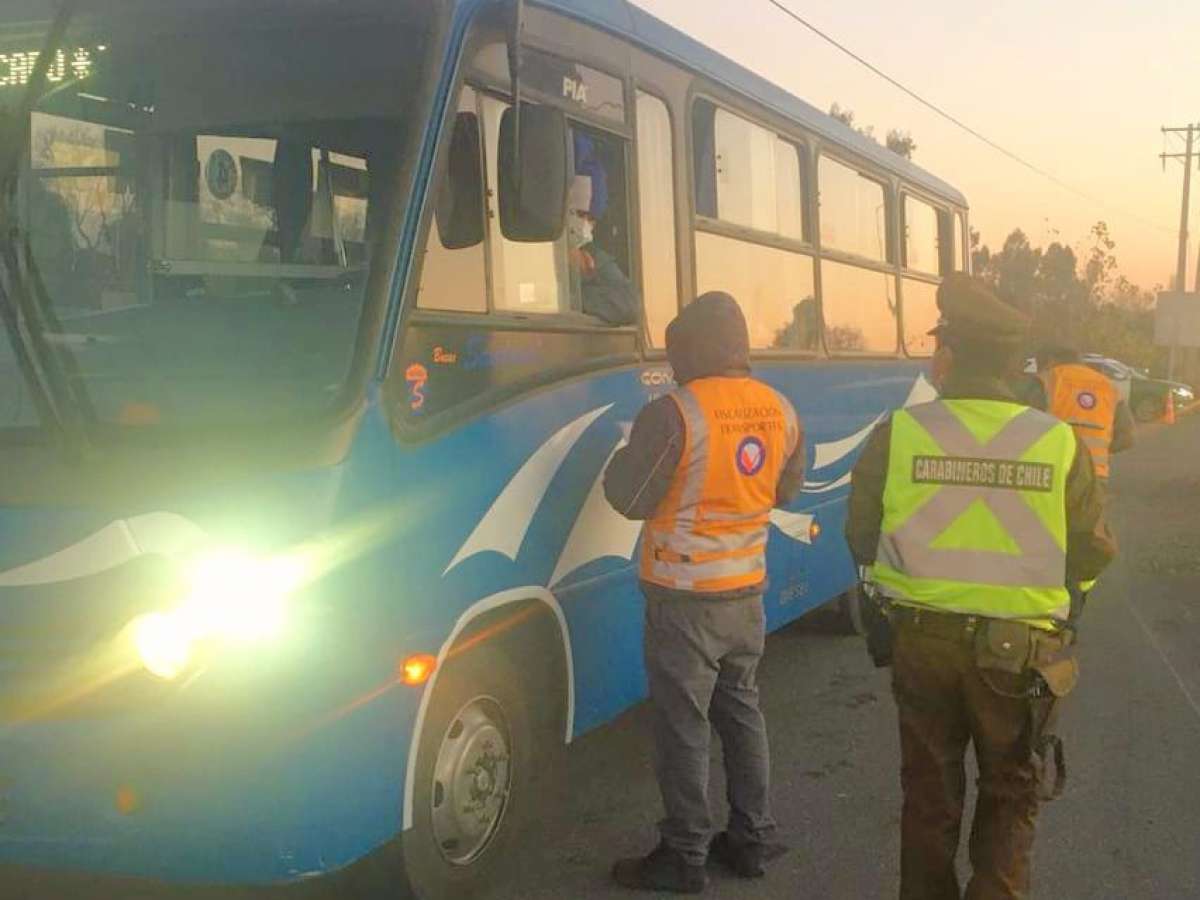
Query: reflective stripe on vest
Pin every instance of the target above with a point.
(1087, 401)
(977, 525)
(709, 534)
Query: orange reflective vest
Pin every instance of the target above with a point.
(1087, 401)
(709, 535)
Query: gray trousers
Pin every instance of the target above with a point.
(701, 661)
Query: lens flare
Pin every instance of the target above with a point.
(163, 644)
(232, 596)
(236, 596)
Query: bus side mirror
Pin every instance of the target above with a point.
(533, 176)
(459, 209)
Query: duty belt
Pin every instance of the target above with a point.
(934, 622)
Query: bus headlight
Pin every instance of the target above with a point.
(231, 596)
(163, 644)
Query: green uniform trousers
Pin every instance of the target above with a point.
(944, 704)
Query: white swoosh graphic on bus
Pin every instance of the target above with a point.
(503, 527)
(166, 534)
(922, 392)
(797, 526)
(827, 454)
(835, 451)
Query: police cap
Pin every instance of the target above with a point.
(972, 312)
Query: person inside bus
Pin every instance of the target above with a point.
(605, 290)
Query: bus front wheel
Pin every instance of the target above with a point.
(472, 777)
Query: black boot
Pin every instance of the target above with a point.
(663, 870)
(744, 860)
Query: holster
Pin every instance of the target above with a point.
(1048, 661)
(877, 622)
(1054, 674)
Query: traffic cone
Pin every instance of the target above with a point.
(1169, 414)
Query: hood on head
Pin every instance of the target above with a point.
(709, 337)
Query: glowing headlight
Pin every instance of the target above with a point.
(231, 596)
(163, 643)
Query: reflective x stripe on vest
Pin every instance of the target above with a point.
(1087, 401)
(709, 534)
(977, 526)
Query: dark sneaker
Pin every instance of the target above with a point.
(663, 870)
(744, 860)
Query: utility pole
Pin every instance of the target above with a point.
(1181, 264)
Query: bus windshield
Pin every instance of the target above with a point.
(196, 205)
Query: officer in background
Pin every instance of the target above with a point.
(704, 466)
(973, 514)
(1087, 401)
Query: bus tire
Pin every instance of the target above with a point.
(474, 764)
(850, 612)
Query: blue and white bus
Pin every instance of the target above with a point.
(304, 559)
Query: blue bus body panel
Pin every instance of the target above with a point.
(290, 758)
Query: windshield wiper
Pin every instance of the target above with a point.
(35, 359)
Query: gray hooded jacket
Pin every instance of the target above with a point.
(708, 338)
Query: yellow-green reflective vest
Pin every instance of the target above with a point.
(974, 510)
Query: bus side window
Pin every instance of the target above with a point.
(925, 233)
(586, 269)
(750, 227)
(598, 230)
(453, 278)
(656, 193)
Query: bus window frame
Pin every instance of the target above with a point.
(720, 98)
(482, 32)
(888, 266)
(940, 209)
(962, 225)
(925, 278)
(639, 85)
(484, 84)
(800, 142)
(889, 262)
(561, 317)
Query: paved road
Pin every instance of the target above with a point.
(1126, 828)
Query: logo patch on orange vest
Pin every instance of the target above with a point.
(1087, 400)
(751, 456)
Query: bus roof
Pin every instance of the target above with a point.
(634, 23)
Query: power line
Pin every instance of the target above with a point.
(1049, 176)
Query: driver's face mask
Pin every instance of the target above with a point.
(580, 226)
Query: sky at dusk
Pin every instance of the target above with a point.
(1078, 88)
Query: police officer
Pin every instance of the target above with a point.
(973, 514)
(704, 466)
(1087, 401)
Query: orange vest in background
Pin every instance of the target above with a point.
(1087, 401)
(709, 535)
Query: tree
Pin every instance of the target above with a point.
(846, 117)
(1101, 264)
(1089, 305)
(901, 143)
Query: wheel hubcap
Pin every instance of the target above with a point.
(471, 780)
